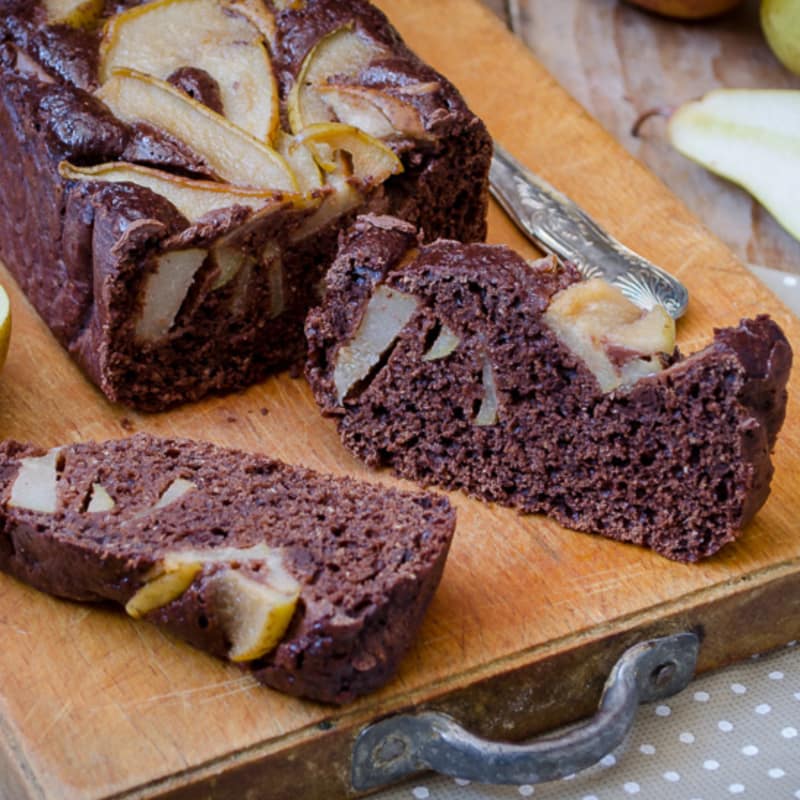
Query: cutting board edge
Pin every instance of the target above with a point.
(321, 763)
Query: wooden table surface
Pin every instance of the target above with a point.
(619, 61)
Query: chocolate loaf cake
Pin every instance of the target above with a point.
(316, 585)
(467, 367)
(174, 174)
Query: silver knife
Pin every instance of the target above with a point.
(557, 224)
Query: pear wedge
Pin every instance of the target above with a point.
(254, 615)
(342, 53)
(194, 199)
(159, 37)
(75, 13)
(232, 154)
(750, 137)
(386, 314)
(165, 291)
(379, 114)
(301, 162)
(372, 161)
(780, 21)
(169, 582)
(36, 486)
(254, 608)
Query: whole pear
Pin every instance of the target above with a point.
(687, 9)
(780, 21)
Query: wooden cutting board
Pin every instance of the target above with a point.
(529, 617)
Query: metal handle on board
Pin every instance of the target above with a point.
(399, 746)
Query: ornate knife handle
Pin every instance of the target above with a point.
(400, 746)
(553, 221)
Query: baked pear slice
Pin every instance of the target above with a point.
(160, 37)
(194, 199)
(233, 155)
(368, 160)
(254, 611)
(354, 162)
(377, 113)
(342, 53)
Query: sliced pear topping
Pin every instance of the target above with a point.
(159, 37)
(165, 290)
(386, 314)
(75, 13)
(257, 14)
(36, 486)
(351, 108)
(254, 615)
(371, 161)
(100, 500)
(487, 413)
(232, 154)
(617, 340)
(373, 111)
(342, 53)
(194, 199)
(446, 343)
(301, 162)
(342, 198)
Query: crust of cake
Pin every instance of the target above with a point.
(678, 462)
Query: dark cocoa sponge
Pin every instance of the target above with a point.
(485, 375)
(217, 545)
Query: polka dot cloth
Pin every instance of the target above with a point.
(732, 734)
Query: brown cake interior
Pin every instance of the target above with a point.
(678, 461)
(367, 559)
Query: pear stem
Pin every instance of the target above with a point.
(659, 111)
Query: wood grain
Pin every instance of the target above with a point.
(94, 705)
(619, 61)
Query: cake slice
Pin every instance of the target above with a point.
(316, 585)
(467, 367)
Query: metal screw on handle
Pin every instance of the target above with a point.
(396, 747)
(557, 224)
